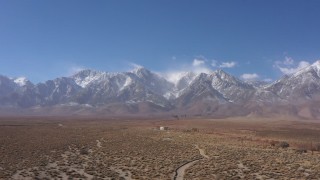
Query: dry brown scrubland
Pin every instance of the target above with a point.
(97, 148)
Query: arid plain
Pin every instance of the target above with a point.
(111, 148)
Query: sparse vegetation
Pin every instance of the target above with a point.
(84, 151)
(96, 149)
(284, 144)
(274, 143)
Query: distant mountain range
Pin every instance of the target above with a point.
(142, 92)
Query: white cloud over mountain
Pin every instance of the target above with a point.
(250, 77)
(214, 63)
(198, 62)
(289, 66)
(230, 64)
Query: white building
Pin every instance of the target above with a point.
(163, 128)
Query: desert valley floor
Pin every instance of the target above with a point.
(102, 148)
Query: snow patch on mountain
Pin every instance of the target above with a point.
(85, 77)
(21, 81)
(126, 83)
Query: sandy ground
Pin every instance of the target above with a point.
(95, 148)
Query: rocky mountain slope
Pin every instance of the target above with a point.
(141, 91)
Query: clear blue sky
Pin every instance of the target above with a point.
(46, 39)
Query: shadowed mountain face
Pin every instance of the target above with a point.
(143, 92)
(301, 86)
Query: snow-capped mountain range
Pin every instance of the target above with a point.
(144, 92)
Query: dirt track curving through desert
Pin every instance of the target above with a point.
(202, 152)
(180, 171)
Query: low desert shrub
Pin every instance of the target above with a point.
(195, 130)
(84, 151)
(273, 143)
(284, 144)
(301, 151)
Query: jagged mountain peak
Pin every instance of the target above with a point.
(220, 76)
(201, 77)
(87, 72)
(316, 64)
(313, 68)
(23, 82)
(142, 72)
(18, 81)
(299, 87)
(200, 91)
(220, 71)
(316, 67)
(85, 77)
